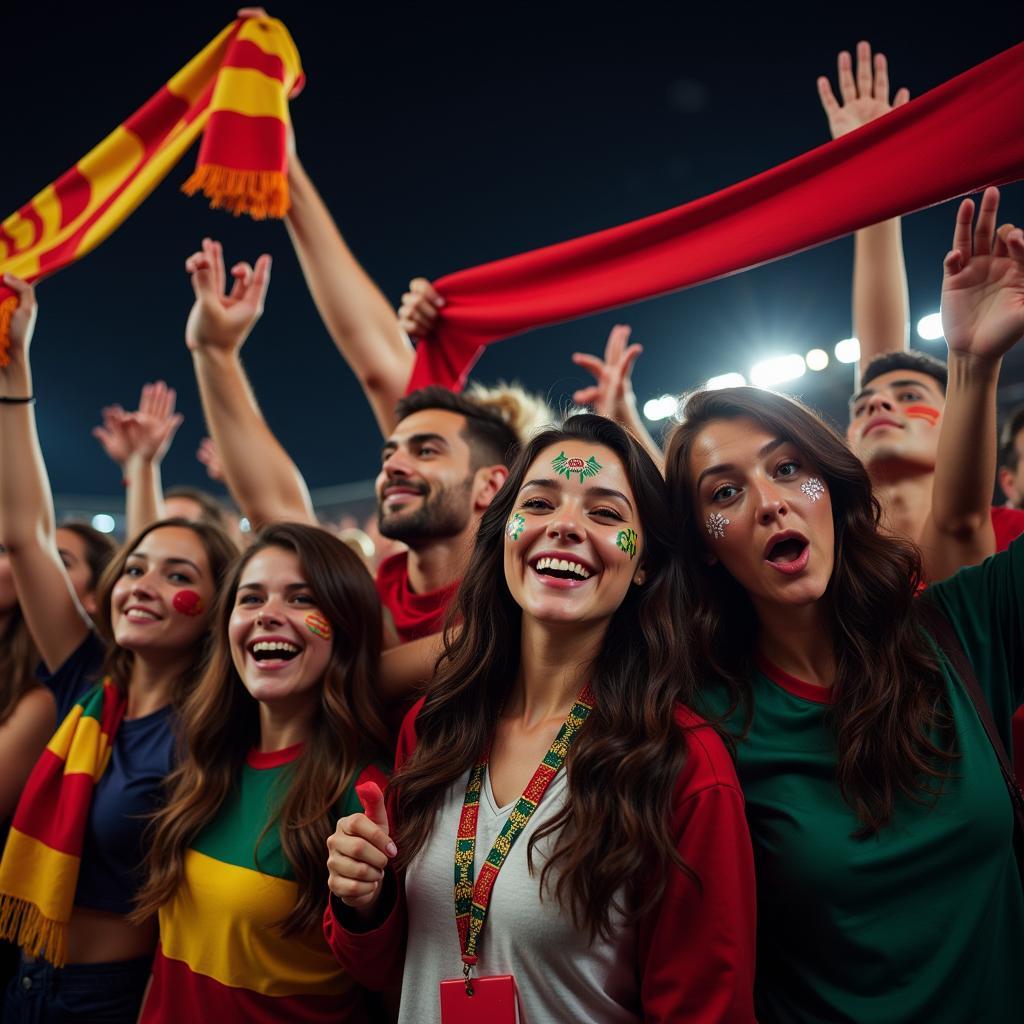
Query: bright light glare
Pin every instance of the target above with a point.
(930, 327)
(726, 380)
(777, 370)
(817, 359)
(103, 523)
(661, 408)
(848, 350)
(244, 525)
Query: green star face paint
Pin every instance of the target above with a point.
(626, 541)
(515, 527)
(566, 466)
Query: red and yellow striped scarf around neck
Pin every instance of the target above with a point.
(235, 93)
(39, 870)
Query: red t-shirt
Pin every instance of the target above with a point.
(415, 615)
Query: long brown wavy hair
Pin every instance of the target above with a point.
(614, 831)
(888, 697)
(220, 725)
(221, 551)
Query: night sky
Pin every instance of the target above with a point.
(442, 138)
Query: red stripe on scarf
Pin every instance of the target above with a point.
(156, 117)
(53, 805)
(232, 139)
(246, 54)
(894, 165)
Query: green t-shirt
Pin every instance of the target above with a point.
(923, 922)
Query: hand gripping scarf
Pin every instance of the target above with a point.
(234, 92)
(959, 137)
(39, 870)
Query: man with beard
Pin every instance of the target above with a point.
(444, 460)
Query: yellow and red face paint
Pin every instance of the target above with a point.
(318, 625)
(188, 602)
(928, 413)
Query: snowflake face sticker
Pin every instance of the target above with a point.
(515, 526)
(574, 464)
(626, 541)
(716, 524)
(813, 488)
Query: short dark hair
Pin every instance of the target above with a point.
(911, 359)
(491, 440)
(211, 509)
(1008, 454)
(99, 547)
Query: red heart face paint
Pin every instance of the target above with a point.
(188, 602)
(927, 413)
(318, 625)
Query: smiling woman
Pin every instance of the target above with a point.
(870, 783)
(554, 737)
(283, 725)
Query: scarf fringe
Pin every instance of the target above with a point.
(24, 924)
(7, 308)
(260, 194)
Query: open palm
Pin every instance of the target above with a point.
(865, 97)
(983, 283)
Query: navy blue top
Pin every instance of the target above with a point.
(128, 791)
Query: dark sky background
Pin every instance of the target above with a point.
(441, 138)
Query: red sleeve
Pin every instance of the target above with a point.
(375, 957)
(697, 948)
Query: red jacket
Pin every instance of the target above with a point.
(695, 950)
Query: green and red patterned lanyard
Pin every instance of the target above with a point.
(472, 900)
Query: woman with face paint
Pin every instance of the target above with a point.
(593, 824)
(70, 866)
(888, 889)
(282, 727)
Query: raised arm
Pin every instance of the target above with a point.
(612, 393)
(357, 316)
(27, 528)
(982, 318)
(881, 307)
(138, 441)
(262, 478)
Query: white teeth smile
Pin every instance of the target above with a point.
(562, 565)
(274, 645)
(140, 615)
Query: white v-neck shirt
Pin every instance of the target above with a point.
(561, 976)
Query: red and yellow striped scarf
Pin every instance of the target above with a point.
(39, 870)
(235, 93)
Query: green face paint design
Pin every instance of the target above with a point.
(567, 466)
(515, 526)
(626, 541)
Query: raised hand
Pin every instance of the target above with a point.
(147, 432)
(612, 395)
(359, 851)
(23, 320)
(983, 282)
(864, 98)
(217, 320)
(208, 455)
(417, 315)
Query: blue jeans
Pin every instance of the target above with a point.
(108, 993)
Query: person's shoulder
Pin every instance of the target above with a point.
(708, 762)
(1008, 524)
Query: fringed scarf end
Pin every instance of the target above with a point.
(24, 924)
(7, 308)
(260, 194)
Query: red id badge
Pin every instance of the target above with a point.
(494, 1001)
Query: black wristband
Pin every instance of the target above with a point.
(17, 400)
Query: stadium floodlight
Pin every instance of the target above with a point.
(930, 327)
(725, 380)
(817, 359)
(848, 350)
(661, 408)
(778, 370)
(103, 522)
